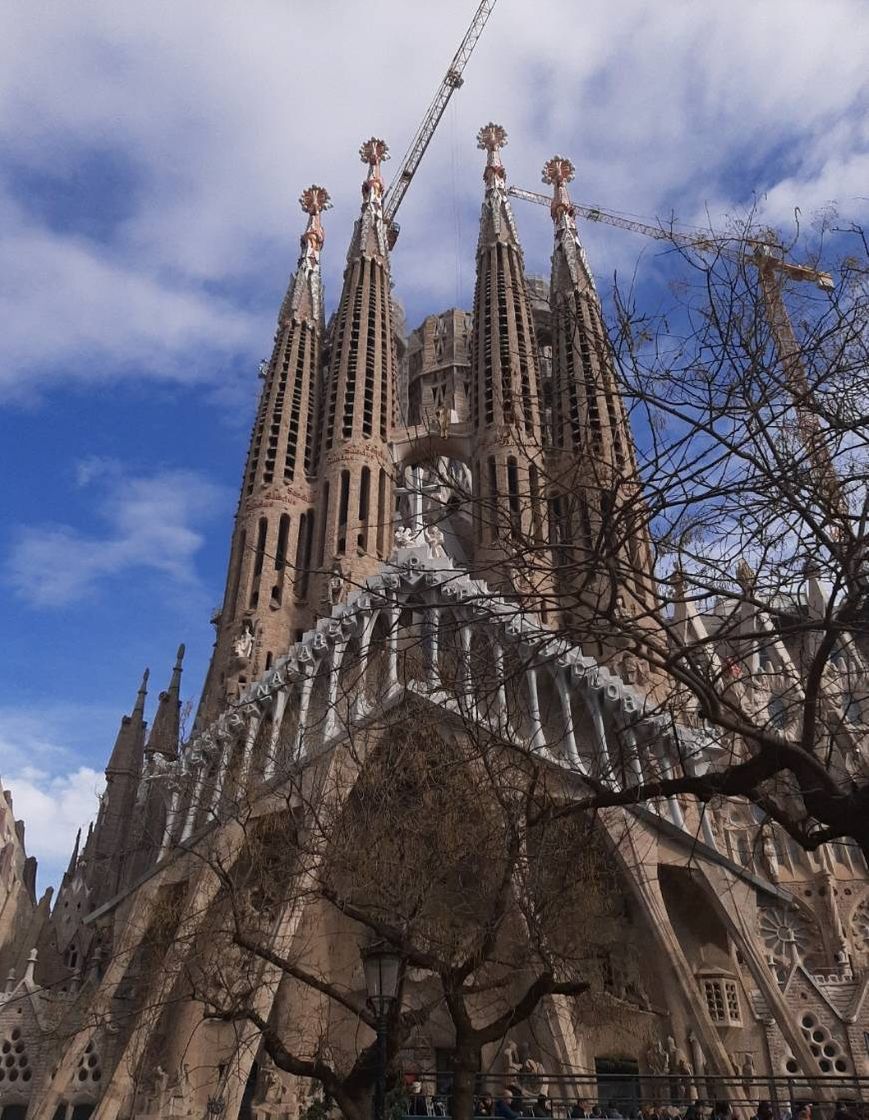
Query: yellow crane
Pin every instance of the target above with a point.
(451, 82)
(771, 266)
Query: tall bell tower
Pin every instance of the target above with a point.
(354, 489)
(266, 601)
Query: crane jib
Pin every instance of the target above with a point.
(452, 81)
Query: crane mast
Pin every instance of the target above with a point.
(452, 81)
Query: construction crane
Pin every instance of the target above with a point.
(413, 156)
(771, 267)
(699, 241)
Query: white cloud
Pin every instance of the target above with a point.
(152, 523)
(224, 111)
(52, 791)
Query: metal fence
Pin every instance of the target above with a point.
(630, 1096)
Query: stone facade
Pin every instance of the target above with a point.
(739, 955)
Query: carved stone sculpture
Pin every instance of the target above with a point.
(242, 647)
(657, 1058)
(434, 538)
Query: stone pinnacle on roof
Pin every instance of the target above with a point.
(304, 301)
(491, 139)
(314, 200)
(167, 722)
(126, 756)
(373, 152)
(557, 173)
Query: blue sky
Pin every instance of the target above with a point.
(152, 156)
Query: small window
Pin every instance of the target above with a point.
(722, 1001)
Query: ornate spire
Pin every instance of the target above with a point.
(167, 722)
(557, 173)
(370, 235)
(73, 859)
(373, 152)
(304, 299)
(139, 706)
(126, 757)
(496, 219)
(491, 139)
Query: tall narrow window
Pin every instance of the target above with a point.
(343, 503)
(281, 550)
(534, 494)
(305, 566)
(493, 500)
(321, 543)
(364, 488)
(232, 601)
(382, 513)
(262, 529)
(513, 496)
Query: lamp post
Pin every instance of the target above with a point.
(381, 964)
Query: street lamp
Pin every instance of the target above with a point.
(381, 964)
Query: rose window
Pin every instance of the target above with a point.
(784, 932)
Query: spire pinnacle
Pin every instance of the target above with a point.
(139, 706)
(313, 201)
(491, 139)
(557, 173)
(166, 727)
(496, 217)
(178, 669)
(303, 301)
(126, 755)
(373, 152)
(570, 268)
(73, 859)
(369, 234)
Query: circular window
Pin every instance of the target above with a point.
(819, 1035)
(26, 1075)
(92, 1060)
(825, 1065)
(6, 1047)
(9, 1060)
(831, 1050)
(82, 1075)
(841, 1065)
(16, 1034)
(791, 1066)
(808, 1021)
(2, 1074)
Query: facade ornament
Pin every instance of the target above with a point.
(680, 1069)
(770, 855)
(434, 538)
(243, 645)
(336, 585)
(511, 1062)
(657, 1057)
(442, 420)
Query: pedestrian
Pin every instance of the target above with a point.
(504, 1107)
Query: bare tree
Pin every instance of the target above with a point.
(721, 560)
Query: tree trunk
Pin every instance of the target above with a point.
(465, 1069)
(354, 1106)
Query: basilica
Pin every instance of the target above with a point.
(395, 486)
